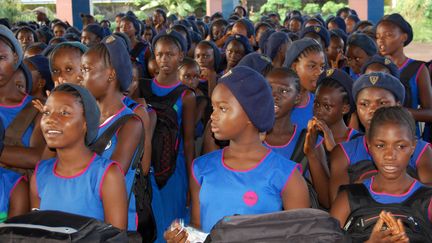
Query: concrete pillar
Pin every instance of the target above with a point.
(69, 10)
(224, 6)
(371, 10)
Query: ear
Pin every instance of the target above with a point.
(404, 37)
(294, 66)
(112, 75)
(346, 108)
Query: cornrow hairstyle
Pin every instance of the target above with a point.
(102, 51)
(187, 61)
(68, 89)
(333, 84)
(395, 115)
(170, 39)
(289, 73)
(311, 49)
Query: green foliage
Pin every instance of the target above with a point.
(13, 10)
(280, 6)
(178, 7)
(311, 8)
(330, 8)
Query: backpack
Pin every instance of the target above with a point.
(141, 186)
(55, 226)
(366, 168)
(304, 225)
(406, 74)
(427, 131)
(365, 213)
(165, 136)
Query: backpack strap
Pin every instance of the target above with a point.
(137, 49)
(298, 154)
(358, 196)
(19, 125)
(160, 102)
(406, 74)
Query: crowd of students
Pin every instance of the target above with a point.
(275, 115)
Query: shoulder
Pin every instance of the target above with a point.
(208, 159)
(280, 161)
(9, 176)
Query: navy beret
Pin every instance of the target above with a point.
(364, 42)
(274, 42)
(362, 22)
(90, 107)
(175, 36)
(297, 47)
(343, 79)
(319, 30)
(195, 37)
(9, 36)
(264, 38)
(95, 29)
(81, 47)
(179, 28)
(28, 77)
(126, 40)
(41, 63)
(249, 26)
(338, 21)
(399, 21)
(354, 17)
(120, 60)
(308, 19)
(260, 24)
(134, 22)
(205, 26)
(242, 39)
(386, 62)
(216, 53)
(380, 80)
(253, 93)
(5, 22)
(339, 33)
(256, 61)
(28, 29)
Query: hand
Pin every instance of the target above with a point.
(175, 234)
(335, 64)
(395, 226)
(311, 137)
(379, 235)
(329, 141)
(38, 105)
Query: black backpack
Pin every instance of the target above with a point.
(304, 225)
(365, 213)
(141, 187)
(165, 136)
(406, 74)
(55, 226)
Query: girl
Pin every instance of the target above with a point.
(21, 150)
(391, 141)
(307, 59)
(336, 49)
(41, 76)
(236, 47)
(26, 36)
(360, 49)
(284, 137)
(208, 57)
(243, 108)
(107, 73)
(14, 194)
(65, 62)
(393, 34)
(217, 31)
(169, 52)
(351, 161)
(94, 185)
(276, 47)
(380, 64)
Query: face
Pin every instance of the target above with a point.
(308, 68)
(239, 29)
(95, 74)
(204, 56)
(284, 92)
(8, 60)
(59, 31)
(294, 25)
(148, 35)
(40, 16)
(356, 58)
(168, 56)
(329, 106)
(344, 14)
(259, 32)
(335, 48)
(63, 124)
(390, 38)
(153, 68)
(369, 100)
(349, 25)
(157, 18)
(127, 27)
(217, 31)
(332, 26)
(228, 119)
(239, 11)
(66, 63)
(38, 82)
(235, 51)
(391, 147)
(89, 39)
(25, 38)
(20, 80)
(189, 75)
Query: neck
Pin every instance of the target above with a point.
(247, 142)
(394, 186)
(283, 125)
(109, 105)
(339, 128)
(398, 57)
(304, 97)
(69, 161)
(167, 78)
(277, 62)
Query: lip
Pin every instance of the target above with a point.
(390, 169)
(51, 133)
(214, 128)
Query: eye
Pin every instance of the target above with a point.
(379, 145)
(364, 104)
(401, 146)
(64, 113)
(45, 112)
(55, 71)
(223, 109)
(68, 69)
(327, 107)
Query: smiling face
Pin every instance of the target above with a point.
(228, 120)
(63, 123)
(369, 100)
(391, 146)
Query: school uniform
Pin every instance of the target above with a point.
(302, 114)
(8, 181)
(78, 194)
(254, 191)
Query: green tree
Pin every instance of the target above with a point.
(178, 7)
(280, 6)
(311, 8)
(330, 8)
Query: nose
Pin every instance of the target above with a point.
(389, 153)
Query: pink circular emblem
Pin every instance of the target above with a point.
(250, 198)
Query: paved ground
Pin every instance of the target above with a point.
(419, 51)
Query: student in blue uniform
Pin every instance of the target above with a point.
(359, 50)
(307, 59)
(276, 47)
(391, 141)
(236, 47)
(243, 108)
(25, 151)
(372, 91)
(88, 184)
(169, 51)
(208, 57)
(14, 191)
(393, 34)
(107, 73)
